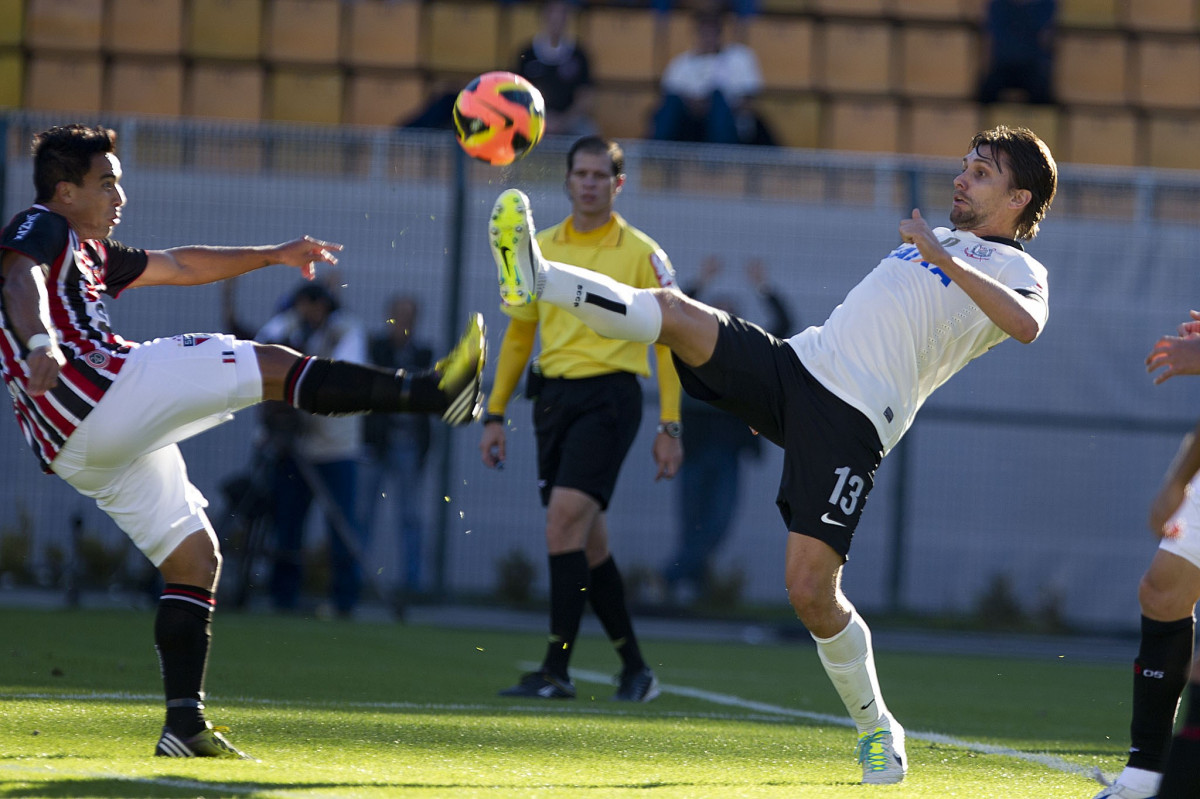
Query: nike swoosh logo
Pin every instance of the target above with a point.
(825, 518)
(867, 705)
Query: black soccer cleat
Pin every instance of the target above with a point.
(541, 685)
(637, 686)
(209, 742)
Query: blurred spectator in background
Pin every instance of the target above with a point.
(555, 63)
(714, 442)
(397, 445)
(1018, 60)
(742, 10)
(320, 457)
(707, 91)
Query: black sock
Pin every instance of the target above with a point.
(568, 597)
(331, 388)
(1159, 675)
(607, 596)
(182, 631)
(1182, 777)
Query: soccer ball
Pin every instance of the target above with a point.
(499, 117)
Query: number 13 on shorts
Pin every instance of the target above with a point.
(846, 491)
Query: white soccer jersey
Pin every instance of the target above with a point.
(907, 328)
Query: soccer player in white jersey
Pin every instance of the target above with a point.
(837, 397)
(1159, 767)
(105, 414)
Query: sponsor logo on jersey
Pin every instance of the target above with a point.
(25, 227)
(909, 252)
(98, 358)
(191, 340)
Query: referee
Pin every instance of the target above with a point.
(587, 409)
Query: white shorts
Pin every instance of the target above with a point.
(1187, 544)
(125, 456)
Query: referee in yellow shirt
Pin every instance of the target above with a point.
(587, 409)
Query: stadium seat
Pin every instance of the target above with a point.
(12, 22)
(674, 34)
(785, 51)
(1162, 16)
(1089, 13)
(12, 72)
(939, 128)
(866, 125)
(64, 82)
(461, 36)
(1171, 141)
(64, 25)
(1158, 57)
(794, 119)
(926, 50)
(517, 27)
(857, 8)
(382, 98)
(144, 86)
(224, 29)
(936, 10)
(144, 27)
(224, 90)
(623, 111)
(1041, 119)
(1090, 68)
(303, 94)
(382, 34)
(854, 57)
(1107, 136)
(302, 31)
(620, 42)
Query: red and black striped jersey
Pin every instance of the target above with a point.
(78, 272)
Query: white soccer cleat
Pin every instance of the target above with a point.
(881, 753)
(514, 248)
(1118, 791)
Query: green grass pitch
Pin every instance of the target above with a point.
(335, 709)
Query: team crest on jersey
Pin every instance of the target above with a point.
(191, 340)
(980, 252)
(98, 358)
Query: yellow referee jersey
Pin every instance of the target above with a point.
(569, 348)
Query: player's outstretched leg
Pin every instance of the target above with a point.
(611, 309)
(462, 374)
(209, 742)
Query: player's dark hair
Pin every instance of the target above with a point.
(1033, 169)
(65, 152)
(600, 146)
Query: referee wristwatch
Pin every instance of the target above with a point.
(673, 429)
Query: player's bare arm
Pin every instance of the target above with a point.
(196, 265)
(1174, 355)
(1175, 485)
(1017, 315)
(27, 305)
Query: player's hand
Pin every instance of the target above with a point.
(492, 445)
(917, 231)
(1174, 355)
(1191, 328)
(668, 456)
(1163, 508)
(305, 253)
(44, 365)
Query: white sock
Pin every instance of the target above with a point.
(612, 309)
(1139, 779)
(850, 664)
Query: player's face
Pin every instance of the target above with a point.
(94, 208)
(983, 191)
(591, 185)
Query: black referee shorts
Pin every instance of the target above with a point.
(831, 450)
(585, 428)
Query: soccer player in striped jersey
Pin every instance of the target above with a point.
(105, 414)
(837, 397)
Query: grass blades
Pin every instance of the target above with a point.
(383, 710)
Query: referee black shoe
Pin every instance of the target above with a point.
(541, 685)
(637, 686)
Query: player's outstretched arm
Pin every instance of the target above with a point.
(1192, 326)
(1019, 316)
(1172, 356)
(27, 304)
(196, 265)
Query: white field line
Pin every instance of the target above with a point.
(758, 711)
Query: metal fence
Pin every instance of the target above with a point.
(1032, 470)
